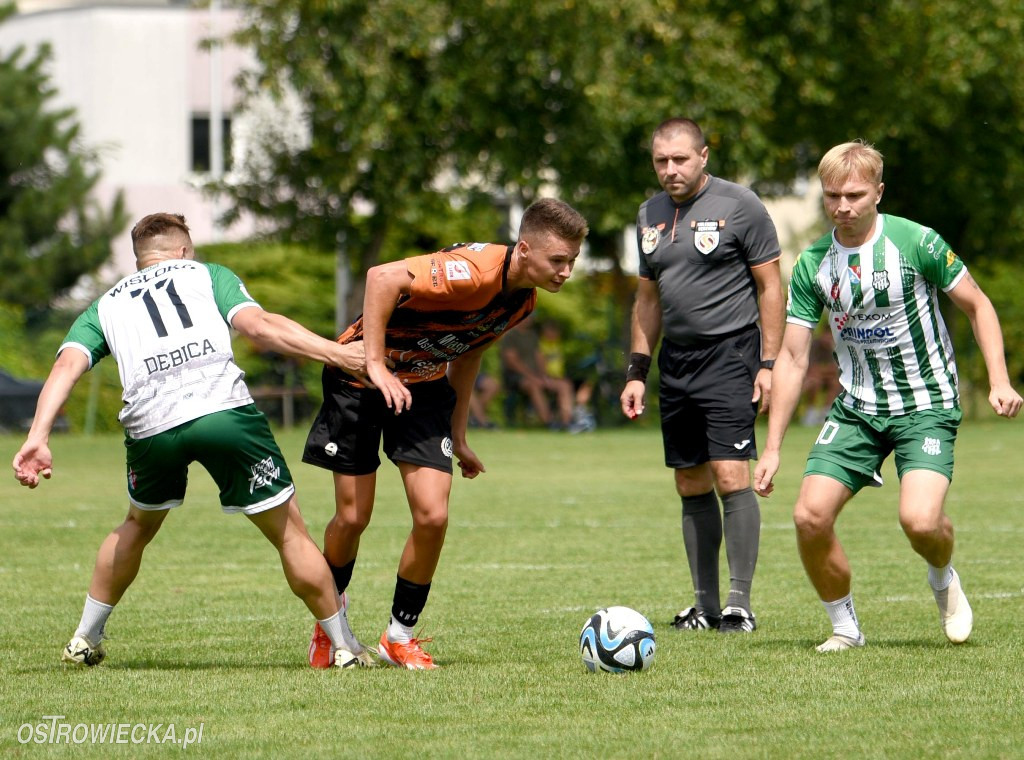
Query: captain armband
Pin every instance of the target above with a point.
(639, 366)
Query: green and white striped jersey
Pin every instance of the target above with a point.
(892, 346)
(167, 327)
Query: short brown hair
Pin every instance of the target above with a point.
(672, 127)
(554, 217)
(154, 225)
(857, 158)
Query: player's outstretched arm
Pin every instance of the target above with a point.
(969, 298)
(34, 458)
(278, 333)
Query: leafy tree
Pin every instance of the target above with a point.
(938, 87)
(51, 230)
(410, 106)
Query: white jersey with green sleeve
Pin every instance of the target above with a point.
(894, 352)
(167, 328)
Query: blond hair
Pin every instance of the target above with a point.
(850, 159)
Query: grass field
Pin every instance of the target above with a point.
(560, 525)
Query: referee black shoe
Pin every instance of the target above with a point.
(693, 619)
(737, 620)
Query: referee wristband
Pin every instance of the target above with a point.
(639, 366)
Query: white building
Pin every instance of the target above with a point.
(143, 89)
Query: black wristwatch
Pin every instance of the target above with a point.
(767, 364)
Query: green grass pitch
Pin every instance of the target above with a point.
(559, 525)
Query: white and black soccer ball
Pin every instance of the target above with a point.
(616, 640)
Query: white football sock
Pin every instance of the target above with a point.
(939, 578)
(843, 617)
(351, 642)
(398, 633)
(94, 619)
(332, 627)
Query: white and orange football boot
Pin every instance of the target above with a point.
(408, 655)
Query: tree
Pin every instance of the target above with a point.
(408, 106)
(51, 230)
(938, 87)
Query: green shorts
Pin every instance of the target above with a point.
(235, 446)
(852, 445)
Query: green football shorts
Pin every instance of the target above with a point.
(235, 446)
(852, 445)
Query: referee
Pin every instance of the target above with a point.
(710, 286)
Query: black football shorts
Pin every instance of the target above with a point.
(705, 395)
(347, 432)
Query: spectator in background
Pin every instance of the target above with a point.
(485, 389)
(821, 384)
(526, 369)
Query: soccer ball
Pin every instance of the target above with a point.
(617, 639)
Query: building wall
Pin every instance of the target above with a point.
(135, 75)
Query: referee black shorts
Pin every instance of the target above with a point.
(347, 432)
(706, 411)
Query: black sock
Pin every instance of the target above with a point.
(742, 538)
(410, 599)
(702, 537)
(342, 575)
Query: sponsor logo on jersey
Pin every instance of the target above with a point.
(446, 446)
(476, 246)
(264, 473)
(457, 270)
(950, 258)
(835, 291)
(178, 356)
(867, 334)
(880, 280)
(649, 239)
(706, 236)
(331, 449)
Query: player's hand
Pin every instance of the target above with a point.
(765, 470)
(32, 461)
(396, 395)
(632, 398)
(763, 389)
(1004, 400)
(469, 463)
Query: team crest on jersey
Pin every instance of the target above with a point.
(880, 280)
(649, 239)
(855, 274)
(457, 270)
(706, 236)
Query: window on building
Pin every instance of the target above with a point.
(201, 143)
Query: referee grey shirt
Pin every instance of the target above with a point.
(700, 254)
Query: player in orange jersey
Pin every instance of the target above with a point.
(430, 317)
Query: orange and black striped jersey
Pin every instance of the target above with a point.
(457, 304)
